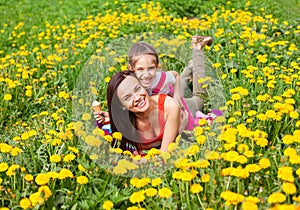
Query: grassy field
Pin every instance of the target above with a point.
(57, 57)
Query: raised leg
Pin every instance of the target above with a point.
(196, 70)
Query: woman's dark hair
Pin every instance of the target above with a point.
(141, 48)
(121, 120)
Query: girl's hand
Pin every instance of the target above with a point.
(179, 102)
(184, 120)
(102, 117)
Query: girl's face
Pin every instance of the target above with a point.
(133, 95)
(145, 69)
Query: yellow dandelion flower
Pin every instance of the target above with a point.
(28, 177)
(45, 192)
(264, 163)
(116, 150)
(92, 140)
(56, 142)
(63, 94)
(202, 122)
(205, 178)
(294, 159)
(86, 117)
(201, 163)
(196, 188)
(232, 198)
(120, 170)
(108, 138)
(107, 79)
(252, 199)
(262, 117)
(230, 156)
(165, 192)
(201, 139)
(297, 199)
(25, 203)
(36, 198)
(107, 205)
(294, 114)
(117, 135)
(288, 139)
(82, 180)
(7, 97)
(65, 173)
(212, 155)
(94, 156)
(286, 173)
(247, 205)
(156, 182)
(224, 76)
(251, 113)
(52, 174)
(253, 168)
(15, 151)
(261, 142)
(151, 192)
(3, 166)
(73, 149)
(289, 188)
(81, 168)
(249, 154)
(42, 179)
(69, 157)
(135, 208)
(5, 148)
(290, 152)
(236, 97)
(231, 120)
(55, 158)
(137, 197)
(216, 65)
(271, 114)
(276, 197)
(98, 132)
(139, 183)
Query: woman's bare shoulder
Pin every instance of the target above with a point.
(169, 105)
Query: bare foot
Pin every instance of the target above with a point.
(198, 42)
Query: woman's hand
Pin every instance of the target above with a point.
(102, 117)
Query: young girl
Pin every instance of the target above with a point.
(143, 61)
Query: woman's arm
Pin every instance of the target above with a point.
(172, 122)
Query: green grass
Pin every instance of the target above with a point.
(42, 134)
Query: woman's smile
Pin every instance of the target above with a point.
(133, 95)
(141, 103)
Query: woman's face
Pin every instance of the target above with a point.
(133, 95)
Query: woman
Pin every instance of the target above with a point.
(143, 61)
(144, 121)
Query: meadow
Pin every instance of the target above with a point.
(57, 57)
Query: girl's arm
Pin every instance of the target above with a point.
(172, 119)
(177, 89)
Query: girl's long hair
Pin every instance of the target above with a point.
(121, 120)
